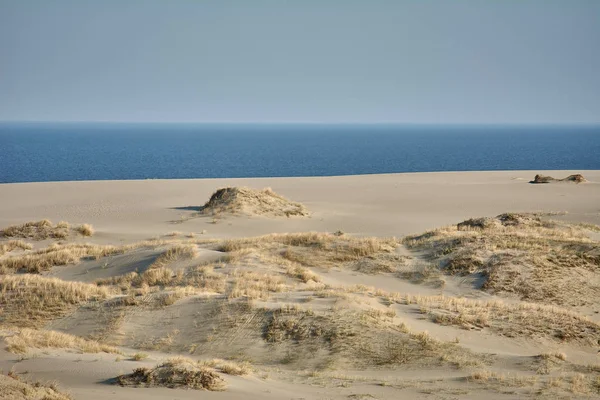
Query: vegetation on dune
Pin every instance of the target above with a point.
(519, 254)
(13, 387)
(175, 373)
(54, 255)
(510, 320)
(242, 200)
(44, 229)
(32, 300)
(266, 299)
(13, 245)
(21, 341)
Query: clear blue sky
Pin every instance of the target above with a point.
(446, 61)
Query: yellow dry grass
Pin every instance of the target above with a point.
(12, 387)
(242, 200)
(253, 285)
(30, 300)
(314, 249)
(511, 320)
(27, 338)
(176, 372)
(85, 230)
(12, 245)
(44, 229)
(175, 253)
(303, 274)
(228, 367)
(54, 255)
(353, 338)
(520, 254)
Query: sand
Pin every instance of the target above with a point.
(391, 205)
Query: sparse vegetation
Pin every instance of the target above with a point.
(44, 229)
(85, 230)
(12, 245)
(511, 320)
(241, 200)
(265, 299)
(54, 255)
(31, 300)
(13, 387)
(228, 367)
(520, 254)
(27, 338)
(175, 253)
(139, 356)
(253, 285)
(175, 373)
(303, 274)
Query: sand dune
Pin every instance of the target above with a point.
(443, 285)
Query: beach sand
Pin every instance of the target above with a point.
(382, 206)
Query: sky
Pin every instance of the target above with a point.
(322, 61)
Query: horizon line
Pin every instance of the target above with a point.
(397, 123)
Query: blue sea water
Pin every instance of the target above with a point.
(31, 152)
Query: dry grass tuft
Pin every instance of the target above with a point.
(253, 285)
(12, 245)
(85, 230)
(303, 274)
(241, 200)
(507, 380)
(38, 230)
(174, 373)
(44, 229)
(30, 300)
(54, 255)
(139, 356)
(12, 387)
(316, 249)
(27, 338)
(511, 320)
(354, 338)
(200, 277)
(228, 367)
(175, 253)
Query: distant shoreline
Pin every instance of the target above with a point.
(533, 172)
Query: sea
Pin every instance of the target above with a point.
(41, 152)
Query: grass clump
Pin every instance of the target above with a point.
(27, 338)
(12, 245)
(85, 230)
(242, 200)
(511, 320)
(175, 253)
(314, 249)
(44, 229)
(139, 356)
(31, 300)
(54, 255)
(15, 388)
(253, 285)
(175, 373)
(303, 274)
(228, 367)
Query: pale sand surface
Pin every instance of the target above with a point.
(379, 205)
(396, 205)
